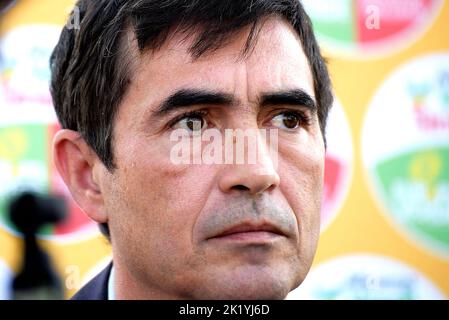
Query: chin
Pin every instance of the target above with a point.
(251, 291)
(250, 284)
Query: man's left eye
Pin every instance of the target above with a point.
(287, 120)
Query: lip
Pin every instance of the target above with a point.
(249, 232)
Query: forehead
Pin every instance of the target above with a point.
(275, 61)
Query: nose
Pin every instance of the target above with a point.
(252, 177)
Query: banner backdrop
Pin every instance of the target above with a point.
(385, 218)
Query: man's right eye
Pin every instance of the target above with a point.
(191, 122)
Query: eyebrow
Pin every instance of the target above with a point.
(295, 97)
(191, 97)
(185, 98)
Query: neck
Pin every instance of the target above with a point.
(129, 285)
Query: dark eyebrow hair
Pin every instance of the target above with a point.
(293, 97)
(191, 97)
(185, 98)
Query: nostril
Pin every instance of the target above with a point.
(240, 187)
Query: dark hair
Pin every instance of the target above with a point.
(91, 68)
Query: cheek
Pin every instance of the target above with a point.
(301, 175)
(160, 201)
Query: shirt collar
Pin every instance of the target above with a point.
(111, 291)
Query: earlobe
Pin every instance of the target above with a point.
(76, 162)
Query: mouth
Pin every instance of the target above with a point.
(247, 232)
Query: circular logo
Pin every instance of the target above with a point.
(338, 164)
(370, 27)
(25, 74)
(27, 125)
(365, 277)
(405, 148)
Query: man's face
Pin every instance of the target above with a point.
(217, 230)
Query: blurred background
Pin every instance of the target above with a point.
(385, 219)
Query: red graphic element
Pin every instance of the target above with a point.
(394, 17)
(332, 183)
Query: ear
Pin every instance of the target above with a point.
(81, 170)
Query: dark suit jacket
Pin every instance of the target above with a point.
(97, 288)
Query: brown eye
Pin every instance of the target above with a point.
(291, 121)
(287, 121)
